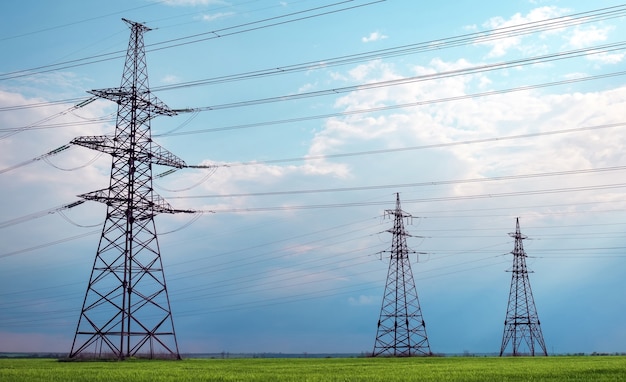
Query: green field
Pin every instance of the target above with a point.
(609, 368)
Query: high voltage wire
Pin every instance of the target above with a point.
(231, 291)
(423, 200)
(483, 36)
(403, 81)
(307, 66)
(336, 291)
(494, 34)
(49, 244)
(404, 185)
(216, 34)
(431, 146)
(230, 253)
(349, 259)
(40, 125)
(234, 286)
(80, 22)
(220, 32)
(360, 153)
(265, 256)
(42, 104)
(382, 108)
(452, 73)
(16, 252)
(53, 210)
(411, 104)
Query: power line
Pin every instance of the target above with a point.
(380, 108)
(404, 185)
(459, 40)
(49, 244)
(423, 200)
(219, 32)
(120, 54)
(411, 104)
(43, 104)
(40, 214)
(452, 73)
(48, 29)
(358, 58)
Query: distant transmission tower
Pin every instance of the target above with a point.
(521, 325)
(126, 311)
(401, 328)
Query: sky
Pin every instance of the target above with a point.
(314, 114)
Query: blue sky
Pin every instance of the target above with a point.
(290, 259)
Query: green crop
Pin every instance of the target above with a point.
(584, 368)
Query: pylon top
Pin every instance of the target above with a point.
(134, 24)
(518, 233)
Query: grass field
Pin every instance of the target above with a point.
(611, 368)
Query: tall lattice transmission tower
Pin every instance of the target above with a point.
(401, 329)
(521, 326)
(126, 310)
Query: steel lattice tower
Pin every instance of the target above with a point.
(401, 329)
(521, 325)
(126, 310)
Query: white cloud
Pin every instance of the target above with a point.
(374, 36)
(216, 16)
(170, 79)
(587, 36)
(364, 300)
(575, 75)
(606, 58)
(192, 3)
(306, 87)
(501, 46)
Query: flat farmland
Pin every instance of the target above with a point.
(558, 368)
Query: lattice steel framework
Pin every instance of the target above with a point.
(126, 310)
(401, 328)
(522, 328)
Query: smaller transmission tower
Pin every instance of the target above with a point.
(521, 325)
(401, 328)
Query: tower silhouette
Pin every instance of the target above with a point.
(521, 325)
(401, 329)
(126, 310)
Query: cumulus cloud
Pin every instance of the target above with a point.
(587, 36)
(364, 300)
(170, 79)
(502, 46)
(191, 3)
(374, 36)
(216, 16)
(607, 58)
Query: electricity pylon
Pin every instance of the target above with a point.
(521, 325)
(126, 310)
(401, 329)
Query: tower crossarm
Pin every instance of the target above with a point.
(142, 100)
(161, 156)
(156, 205)
(102, 143)
(156, 155)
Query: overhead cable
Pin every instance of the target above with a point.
(404, 185)
(214, 34)
(424, 200)
(422, 147)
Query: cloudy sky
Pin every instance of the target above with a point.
(315, 114)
